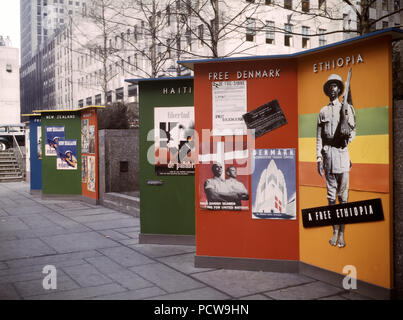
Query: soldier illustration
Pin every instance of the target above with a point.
(335, 130)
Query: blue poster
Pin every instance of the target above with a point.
(66, 155)
(274, 184)
(53, 135)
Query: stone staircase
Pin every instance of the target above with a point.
(9, 168)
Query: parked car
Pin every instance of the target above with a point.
(7, 131)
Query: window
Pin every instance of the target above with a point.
(385, 24)
(385, 5)
(322, 37)
(81, 103)
(98, 99)
(305, 5)
(200, 34)
(250, 29)
(119, 94)
(88, 101)
(109, 96)
(132, 90)
(268, 2)
(288, 35)
(322, 4)
(270, 32)
(288, 4)
(305, 37)
(9, 68)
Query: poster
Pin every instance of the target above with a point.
(84, 169)
(174, 141)
(66, 155)
(274, 184)
(53, 135)
(229, 104)
(224, 179)
(91, 173)
(265, 118)
(91, 139)
(39, 142)
(85, 136)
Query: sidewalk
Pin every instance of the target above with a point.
(97, 256)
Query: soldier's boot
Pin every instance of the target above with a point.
(342, 243)
(333, 240)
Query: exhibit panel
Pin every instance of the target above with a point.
(167, 156)
(35, 139)
(89, 153)
(61, 153)
(347, 135)
(246, 208)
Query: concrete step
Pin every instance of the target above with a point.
(11, 179)
(122, 202)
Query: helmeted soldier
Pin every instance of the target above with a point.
(333, 158)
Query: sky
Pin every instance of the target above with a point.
(10, 21)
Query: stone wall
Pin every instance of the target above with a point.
(398, 197)
(118, 161)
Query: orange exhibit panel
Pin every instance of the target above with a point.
(235, 221)
(89, 150)
(345, 133)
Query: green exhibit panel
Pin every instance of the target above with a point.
(61, 154)
(295, 163)
(166, 141)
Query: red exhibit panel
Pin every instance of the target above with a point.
(268, 91)
(89, 152)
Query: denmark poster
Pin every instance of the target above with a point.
(274, 184)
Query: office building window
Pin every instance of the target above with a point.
(288, 4)
(305, 37)
(88, 101)
(98, 99)
(109, 96)
(322, 4)
(81, 103)
(119, 94)
(270, 32)
(250, 29)
(288, 35)
(305, 5)
(132, 90)
(322, 37)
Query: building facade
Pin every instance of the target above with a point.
(9, 83)
(88, 60)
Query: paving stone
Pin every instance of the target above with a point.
(7, 238)
(3, 266)
(8, 292)
(129, 242)
(196, 294)
(351, 295)
(157, 250)
(37, 221)
(134, 294)
(15, 249)
(129, 230)
(255, 297)
(35, 287)
(166, 278)
(183, 263)
(11, 224)
(333, 298)
(100, 217)
(133, 235)
(243, 283)
(78, 242)
(27, 276)
(39, 268)
(26, 210)
(82, 293)
(3, 213)
(112, 224)
(126, 256)
(87, 275)
(86, 212)
(309, 291)
(52, 259)
(112, 234)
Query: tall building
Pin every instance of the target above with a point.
(9, 83)
(40, 19)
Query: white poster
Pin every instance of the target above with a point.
(229, 105)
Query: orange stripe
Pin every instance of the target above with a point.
(363, 177)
